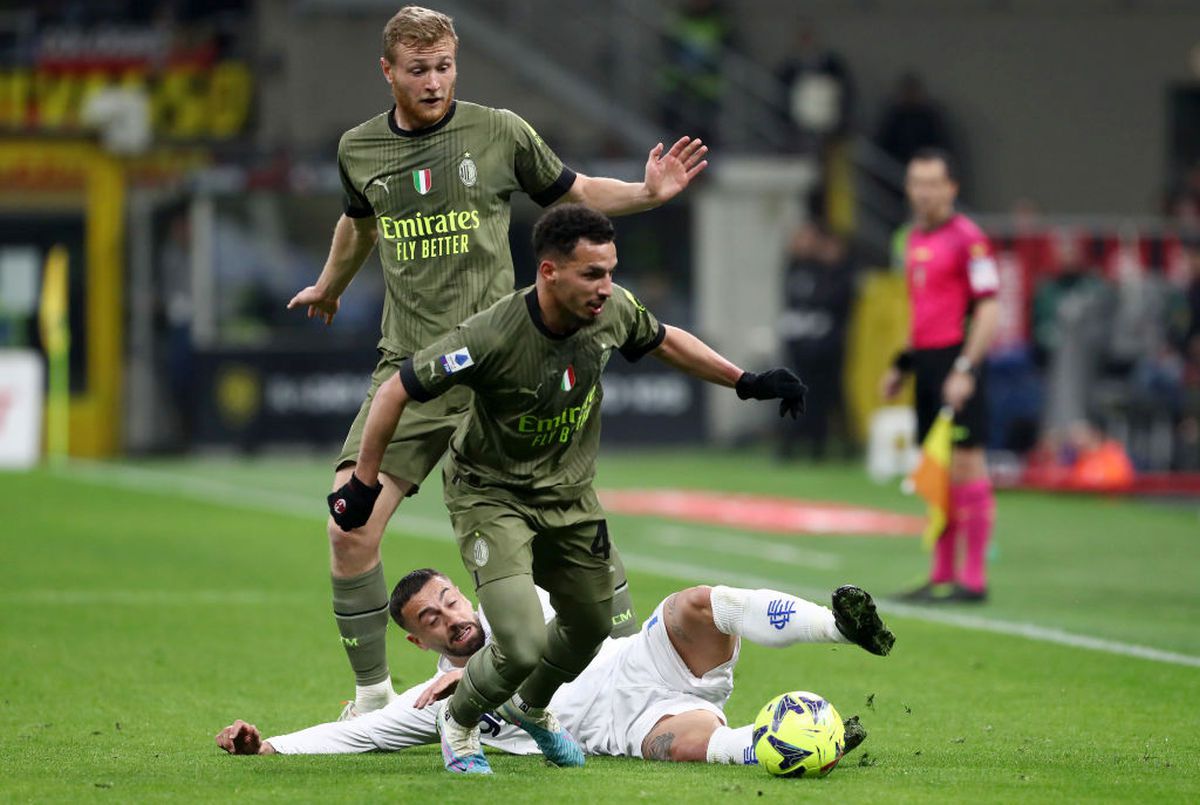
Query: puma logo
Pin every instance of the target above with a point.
(382, 183)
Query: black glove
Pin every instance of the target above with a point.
(351, 505)
(774, 384)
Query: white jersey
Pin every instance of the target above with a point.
(632, 684)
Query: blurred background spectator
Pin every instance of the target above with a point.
(1189, 422)
(818, 292)
(694, 42)
(818, 90)
(912, 121)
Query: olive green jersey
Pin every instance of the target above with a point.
(534, 423)
(440, 198)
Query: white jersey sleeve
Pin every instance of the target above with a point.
(390, 729)
(395, 727)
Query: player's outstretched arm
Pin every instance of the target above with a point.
(353, 240)
(240, 738)
(399, 726)
(689, 354)
(667, 175)
(352, 503)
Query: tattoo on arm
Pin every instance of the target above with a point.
(674, 624)
(660, 747)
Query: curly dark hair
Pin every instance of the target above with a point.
(560, 228)
(407, 587)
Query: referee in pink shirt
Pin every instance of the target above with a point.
(952, 284)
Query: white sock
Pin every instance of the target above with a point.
(373, 697)
(528, 709)
(732, 745)
(772, 618)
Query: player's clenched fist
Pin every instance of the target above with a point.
(351, 505)
(775, 384)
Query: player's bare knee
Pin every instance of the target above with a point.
(352, 549)
(696, 602)
(693, 605)
(342, 541)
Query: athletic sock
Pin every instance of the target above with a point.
(732, 745)
(978, 506)
(373, 697)
(360, 607)
(772, 618)
(945, 549)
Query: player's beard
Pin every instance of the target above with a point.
(472, 644)
(579, 322)
(424, 114)
(587, 318)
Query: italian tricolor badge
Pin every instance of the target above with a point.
(568, 378)
(422, 180)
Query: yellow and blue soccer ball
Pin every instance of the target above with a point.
(799, 734)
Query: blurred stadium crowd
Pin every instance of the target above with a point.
(224, 131)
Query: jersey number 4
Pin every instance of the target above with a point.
(600, 545)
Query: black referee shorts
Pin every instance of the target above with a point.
(930, 369)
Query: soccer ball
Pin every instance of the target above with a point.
(799, 734)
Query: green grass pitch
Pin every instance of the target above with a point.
(145, 605)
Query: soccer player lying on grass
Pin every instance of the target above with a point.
(658, 694)
(518, 481)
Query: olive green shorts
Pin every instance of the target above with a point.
(565, 547)
(422, 436)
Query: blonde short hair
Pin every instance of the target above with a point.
(414, 25)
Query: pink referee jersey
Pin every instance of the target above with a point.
(947, 268)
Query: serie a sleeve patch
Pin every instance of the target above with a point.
(456, 361)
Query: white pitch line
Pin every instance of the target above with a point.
(231, 495)
(153, 598)
(707, 575)
(736, 543)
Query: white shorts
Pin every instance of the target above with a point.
(631, 685)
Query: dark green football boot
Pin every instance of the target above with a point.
(856, 618)
(855, 734)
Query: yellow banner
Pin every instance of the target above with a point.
(52, 311)
(54, 324)
(878, 330)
